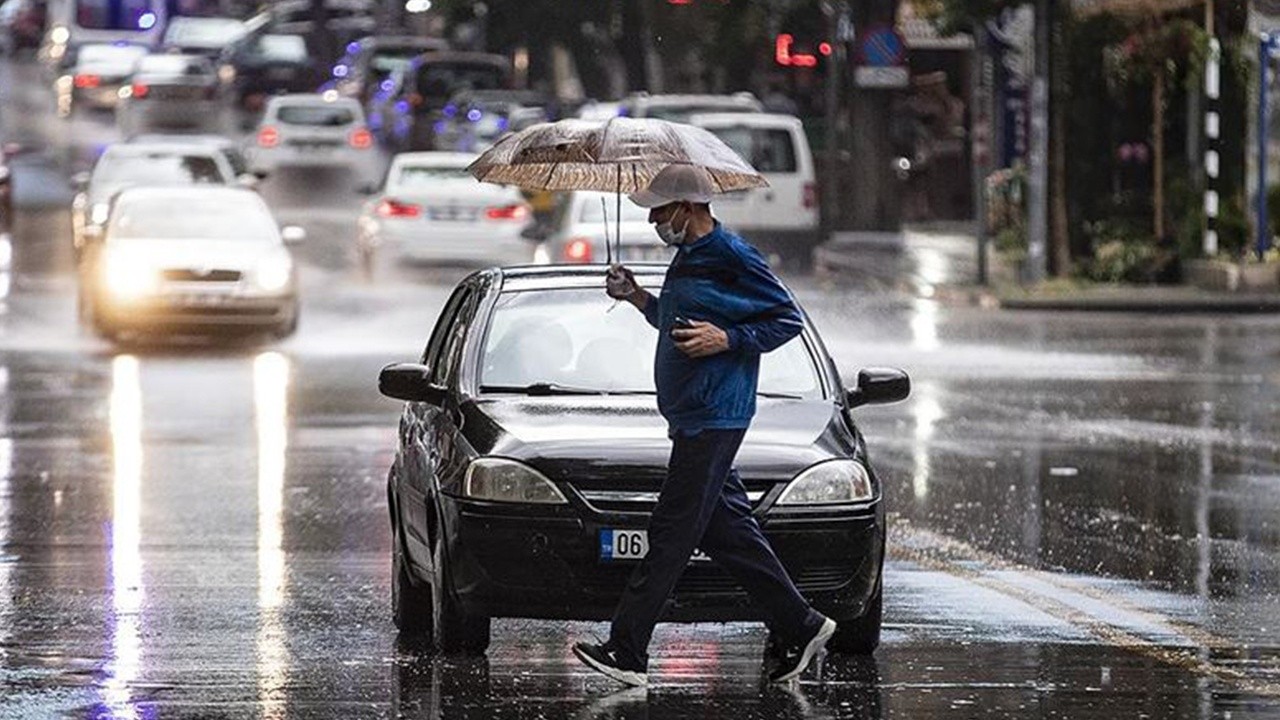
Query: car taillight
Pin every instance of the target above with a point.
(578, 250)
(139, 90)
(360, 139)
(810, 195)
(268, 137)
(416, 100)
(507, 212)
(395, 208)
(87, 81)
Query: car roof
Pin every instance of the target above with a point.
(375, 42)
(561, 277)
(312, 100)
(178, 194)
(435, 159)
(761, 120)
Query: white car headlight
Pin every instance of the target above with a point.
(274, 273)
(128, 276)
(98, 213)
(832, 482)
(509, 481)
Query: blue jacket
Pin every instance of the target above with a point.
(722, 280)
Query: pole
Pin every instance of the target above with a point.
(1264, 117)
(1037, 162)
(980, 125)
(1212, 161)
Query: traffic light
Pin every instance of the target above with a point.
(785, 56)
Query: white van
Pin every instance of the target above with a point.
(782, 218)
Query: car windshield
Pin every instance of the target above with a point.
(285, 48)
(214, 218)
(159, 168)
(316, 115)
(204, 32)
(441, 81)
(569, 337)
(413, 176)
(768, 150)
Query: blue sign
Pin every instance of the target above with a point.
(882, 46)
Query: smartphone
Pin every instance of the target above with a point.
(682, 323)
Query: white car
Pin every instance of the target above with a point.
(431, 210)
(190, 259)
(311, 130)
(678, 108)
(96, 77)
(576, 231)
(126, 165)
(782, 218)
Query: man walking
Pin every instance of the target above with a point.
(720, 308)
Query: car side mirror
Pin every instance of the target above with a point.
(879, 386)
(80, 180)
(292, 234)
(410, 381)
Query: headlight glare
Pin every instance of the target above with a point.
(126, 277)
(502, 480)
(274, 273)
(833, 482)
(98, 213)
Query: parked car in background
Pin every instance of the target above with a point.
(96, 76)
(576, 231)
(782, 218)
(167, 91)
(678, 108)
(370, 61)
(428, 84)
(311, 130)
(126, 165)
(430, 210)
(207, 36)
(599, 110)
(473, 120)
(346, 21)
(261, 65)
(219, 263)
(531, 452)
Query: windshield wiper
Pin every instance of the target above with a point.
(550, 388)
(780, 396)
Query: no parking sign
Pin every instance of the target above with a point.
(882, 59)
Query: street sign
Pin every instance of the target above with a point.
(882, 46)
(881, 77)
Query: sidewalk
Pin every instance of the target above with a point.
(940, 261)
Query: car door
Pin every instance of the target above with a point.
(421, 425)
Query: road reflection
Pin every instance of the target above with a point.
(271, 413)
(127, 591)
(927, 411)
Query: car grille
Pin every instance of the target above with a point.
(639, 500)
(707, 579)
(187, 275)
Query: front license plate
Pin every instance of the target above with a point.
(632, 545)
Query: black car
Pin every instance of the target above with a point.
(428, 84)
(260, 65)
(370, 61)
(531, 452)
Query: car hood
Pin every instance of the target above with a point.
(187, 253)
(567, 438)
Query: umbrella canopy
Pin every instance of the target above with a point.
(618, 155)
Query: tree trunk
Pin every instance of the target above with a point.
(1059, 233)
(1157, 152)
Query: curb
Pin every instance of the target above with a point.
(1238, 304)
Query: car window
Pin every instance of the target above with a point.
(768, 150)
(451, 355)
(593, 211)
(158, 168)
(110, 54)
(431, 355)
(173, 65)
(441, 81)
(416, 176)
(212, 218)
(316, 115)
(114, 14)
(570, 337)
(284, 48)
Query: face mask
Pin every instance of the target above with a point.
(669, 235)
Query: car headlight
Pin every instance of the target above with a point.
(274, 273)
(98, 213)
(126, 277)
(227, 74)
(509, 481)
(832, 482)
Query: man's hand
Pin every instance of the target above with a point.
(620, 283)
(701, 340)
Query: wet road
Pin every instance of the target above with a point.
(1084, 508)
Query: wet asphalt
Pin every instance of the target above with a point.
(1085, 509)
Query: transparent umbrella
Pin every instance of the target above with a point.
(618, 155)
